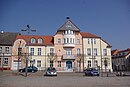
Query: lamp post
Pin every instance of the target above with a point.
(19, 54)
(27, 51)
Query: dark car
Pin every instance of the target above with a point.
(50, 71)
(29, 69)
(91, 72)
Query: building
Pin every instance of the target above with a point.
(121, 60)
(6, 43)
(69, 50)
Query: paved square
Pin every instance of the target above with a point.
(62, 80)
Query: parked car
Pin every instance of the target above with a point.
(29, 69)
(50, 71)
(91, 72)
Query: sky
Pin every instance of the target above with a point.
(109, 19)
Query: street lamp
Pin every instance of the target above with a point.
(27, 51)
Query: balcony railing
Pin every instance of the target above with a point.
(69, 56)
(68, 45)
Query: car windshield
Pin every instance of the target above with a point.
(51, 69)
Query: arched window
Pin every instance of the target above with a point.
(40, 40)
(33, 40)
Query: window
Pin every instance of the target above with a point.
(6, 49)
(94, 41)
(89, 64)
(78, 41)
(59, 40)
(39, 51)
(40, 41)
(51, 63)
(68, 26)
(67, 40)
(71, 40)
(33, 40)
(38, 63)
(32, 51)
(51, 50)
(105, 52)
(95, 51)
(0, 49)
(89, 51)
(0, 61)
(78, 50)
(95, 63)
(5, 61)
(59, 63)
(89, 40)
(69, 52)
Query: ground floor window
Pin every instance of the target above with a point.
(59, 63)
(38, 63)
(5, 61)
(96, 63)
(51, 63)
(89, 64)
(0, 61)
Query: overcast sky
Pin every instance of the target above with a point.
(109, 19)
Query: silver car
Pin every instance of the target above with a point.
(51, 71)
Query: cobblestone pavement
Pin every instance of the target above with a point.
(12, 79)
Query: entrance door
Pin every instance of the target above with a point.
(69, 65)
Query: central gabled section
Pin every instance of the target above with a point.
(68, 30)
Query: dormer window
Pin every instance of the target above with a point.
(40, 40)
(33, 40)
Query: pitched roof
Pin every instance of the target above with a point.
(7, 38)
(114, 52)
(46, 40)
(68, 25)
(122, 53)
(88, 35)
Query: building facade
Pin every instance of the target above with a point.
(69, 50)
(121, 60)
(6, 44)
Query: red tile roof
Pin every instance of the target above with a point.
(88, 35)
(47, 40)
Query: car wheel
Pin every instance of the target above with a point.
(21, 71)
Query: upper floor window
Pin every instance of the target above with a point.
(32, 51)
(0, 49)
(94, 41)
(95, 51)
(68, 32)
(59, 63)
(6, 49)
(105, 52)
(68, 26)
(69, 52)
(89, 40)
(78, 50)
(39, 51)
(33, 40)
(51, 50)
(40, 40)
(59, 40)
(89, 51)
(78, 41)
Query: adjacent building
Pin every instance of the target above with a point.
(6, 44)
(121, 60)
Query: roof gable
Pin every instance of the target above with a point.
(68, 25)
